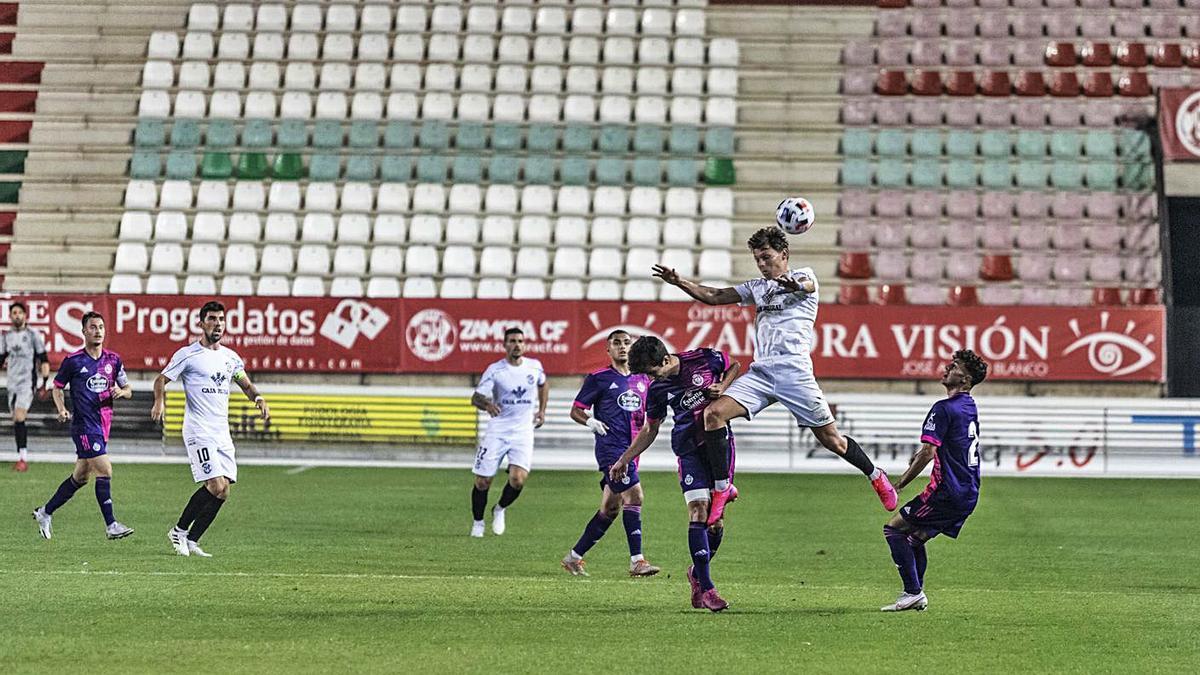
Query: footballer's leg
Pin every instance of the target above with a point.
(610, 503)
(217, 489)
(20, 432)
(487, 463)
(66, 489)
(631, 517)
(848, 449)
(479, 495)
(512, 490)
(900, 535)
(101, 468)
(716, 450)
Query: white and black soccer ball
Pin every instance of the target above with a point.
(794, 215)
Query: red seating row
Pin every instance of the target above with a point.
(1129, 54)
(962, 295)
(891, 265)
(1063, 83)
(1003, 53)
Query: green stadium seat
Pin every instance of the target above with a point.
(361, 168)
(719, 171)
(257, 134)
(961, 173)
(996, 174)
(926, 173)
(181, 165)
(996, 144)
(467, 169)
(614, 139)
(611, 171)
(575, 171)
(891, 143)
(960, 143)
(647, 171)
(1101, 175)
(648, 139)
(13, 161)
(719, 141)
(398, 135)
(856, 143)
(504, 169)
(435, 135)
(324, 167)
(1066, 145)
(1137, 176)
(10, 192)
(1100, 145)
(432, 168)
(856, 172)
(185, 133)
(926, 143)
(541, 138)
(363, 134)
(539, 170)
(470, 136)
(506, 138)
(216, 164)
(684, 140)
(396, 168)
(1134, 144)
(220, 135)
(577, 138)
(145, 164)
(891, 173)
(150, 134)
(1032, 175)
(288, 166)
(1066, 175)
(294, 134)
(1031, 144)
(253, 166)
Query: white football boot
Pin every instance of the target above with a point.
(908, 601)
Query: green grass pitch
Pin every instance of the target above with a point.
(371, 570)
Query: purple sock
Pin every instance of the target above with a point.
(104, 498)
(65, 491)
(918, 548)
(595, 529)
(715, 535)
(698, 544)
(902, 554)
(632, 517)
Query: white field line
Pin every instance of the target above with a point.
(299, 469)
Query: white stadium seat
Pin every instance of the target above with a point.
(389, 228)
(346, 287)
(353, 228)
(245, 227)
(383, 287)
(167, 257)
(283, 196)
(271, 18)
(529, 289)
(317, 227)
(341, 19)
(240, 259)
(387, 260)
(125, 283)
(204, 259)
(236, 284)
(545, 108)
(493, 289)
(161, 75)
(570, 231)
(498, 229)
(237, 17)
(583, 51)
(131, 257)
(176, 194)
(679, 232)
(638, 262)
(457, 288)
(162, 284)
(716, 233)
(640, 290)
(136, 226)
(442, 47)
(264, 75)
(163, 45)
(534, 230)
(229, 75)
(681, 201)
(312, 259)
(141, 194)
(154, 103)
(321, 197)
(688, 52)
(421, 259)
(411, 18)
(307, 18)
(198, 46)
(535, 199)
(273, 286)
(517, 19)
(687, 82)
(199, 284)
(573, 200)
(277, 259)
(249, 195)
(548, 49)
(170, 226)
(717, 203)
(337, 47)
(605, 263)
(458, 260)
(644, 232)
(462, 229)
(357, 197)
(268, 46)
(420, 287)
(609, 200)
(566, 289)
(425, 229)
(212, 194)
(233, 46)
(603, 289)
(350, 260)
(407, 47)
(532, 262)
(393, 198)
(654, 51)
(608, 231)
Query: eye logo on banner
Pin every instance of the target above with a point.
(1105, 348)
(607, 324)
(352, 318)
(431, 335)
(1187, 123)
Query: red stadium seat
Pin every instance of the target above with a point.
(1098, 83)
(854, 265)
(927, 83)
(1132, 55)
(891, 83)
(1191, 55)
(853, 294)
(995, 83)
(1060, 54)
(1134, 84)
(1065, 83)
(961, 83)
(1030, 83)
(891, 294)
(963, 296)
(1168, 55)
(996, 267)
(1144, 296)
(1097, 54)
(1106, 296)
(892, 4)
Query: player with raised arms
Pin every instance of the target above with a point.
(506, 394)
(616, 398)
(95, 377)
(950, 438)
(786, 312)
(25, 352)
(206, 368)
(688, 383)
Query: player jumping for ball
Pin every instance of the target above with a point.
(786, 303)
(950, 438)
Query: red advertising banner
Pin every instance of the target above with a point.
(315, 335)
(1179, 123)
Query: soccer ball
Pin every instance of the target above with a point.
(794, 215)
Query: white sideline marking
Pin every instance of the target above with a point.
(299, 469)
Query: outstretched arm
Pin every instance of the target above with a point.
(706, 294)
(917, 464)
(644, 439)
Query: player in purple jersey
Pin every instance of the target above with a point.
(617, 399)
(687, 382)
(950, 438)
(95, 377)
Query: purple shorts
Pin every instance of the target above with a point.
(631, 479)
(935, 516)
(88, 446)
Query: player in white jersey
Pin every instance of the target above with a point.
(786, 311)
(206, 369)
(506, 393)
(25, 353)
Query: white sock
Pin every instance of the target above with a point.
(479, 523)
(721, 485)
(498, 509)
(875, 474)
(573, 556)
(21, 454)
(635, 559)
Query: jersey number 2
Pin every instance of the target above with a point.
(973, 451)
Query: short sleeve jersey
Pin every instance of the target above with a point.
(22, 348)
(619, 401)
(90, 382)
(953, 427)
(515, 390)
(684, 393)
(783, 321)
(206, 375)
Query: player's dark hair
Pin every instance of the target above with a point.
(646, 353)
(613, 335)
(211, 306)
(768, 237)
(976, 367)
(18, 305)
(512, 331)
(88, 317)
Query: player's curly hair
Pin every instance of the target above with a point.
(768, 237)
(976, 367)
(646, 353)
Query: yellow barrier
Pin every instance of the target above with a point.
(333, 418)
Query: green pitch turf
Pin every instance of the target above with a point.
(371, 570)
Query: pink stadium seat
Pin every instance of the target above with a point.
(961, 204)
(928, 205)
(961, 113)
(891, 204)
(1032, 204)
(1141, 236)
(891, 294)
(997, 235)
(891, 266)
(925, 267)
(858, 82)
(1033, 236)
(1072, 295)
(999, 294)
(996, 113)
(858, 53)
(959, 53)
(995, 53)
(1061, 25)
(1028, 24)
(890, 112)
(854, 204)
(1095, 4)
(1066, 113)
(1140, 206)
(1033, 266)
(963, 296)
(892, 53)
(1104, 237)
(1070, 267)
(1165, 25)
(1068, 204)
(1096, 26)
(1029, 54)
(891, 23)
(996, 205)
(1099, 113)
(962, 267)
(1067, 236)
(929, 25)
(991, 4)
(958, 27)
(992, 24)
(1036, 295)
(923, 112)
(926, 294)
(1130, 26)
(925, 236)
(1100, 205)
(856, 112)
(926, 53)
(960, 234)
(889, 234)
(855, 234)
(1030, 114)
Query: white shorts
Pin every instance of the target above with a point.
(493, 450)
(210, 459)
(790, 384)
(20, 397)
